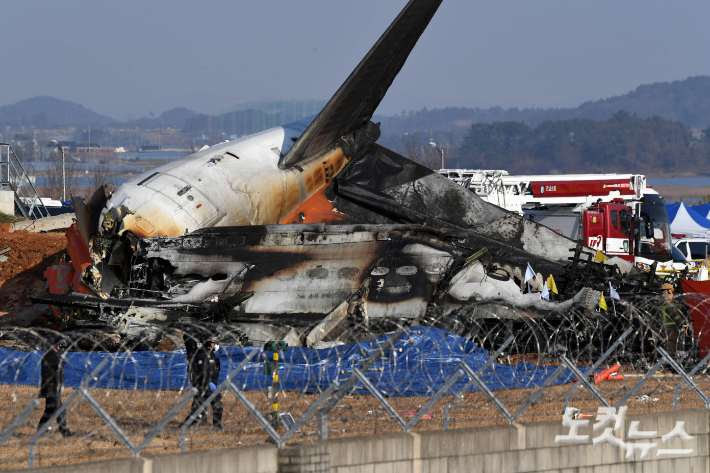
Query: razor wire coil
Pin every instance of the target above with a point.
(483, 364)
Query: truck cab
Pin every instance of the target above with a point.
(609, 227)
(604, 226)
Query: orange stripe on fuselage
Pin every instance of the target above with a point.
(318, 209)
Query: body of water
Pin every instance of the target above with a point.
(83, 181)
(161, 156)
(89, 166)
(679, 181)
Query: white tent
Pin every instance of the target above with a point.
(685, 221)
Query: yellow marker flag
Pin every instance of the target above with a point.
(599, 257)
(602, 302)
(551, 284)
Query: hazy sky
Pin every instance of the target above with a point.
(133, 56)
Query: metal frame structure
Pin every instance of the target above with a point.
(13, 177)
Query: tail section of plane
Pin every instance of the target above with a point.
(353, 105)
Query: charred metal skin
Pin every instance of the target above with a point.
(301, 273)
(235, 183)
(303, 270)
(396, 189)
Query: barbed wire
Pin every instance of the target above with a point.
(483, 364)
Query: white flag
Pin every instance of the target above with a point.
(529, 290)
(545, 294)
(529, 273)
(612, 293)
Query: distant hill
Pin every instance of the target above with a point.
(173, 118)
(624, 143)
(687, 101)
(49, 112)
(303, 108)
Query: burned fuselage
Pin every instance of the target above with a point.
(297, 272)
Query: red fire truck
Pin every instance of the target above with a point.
(615, 213)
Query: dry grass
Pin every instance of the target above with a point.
(675, 193)
(137, 411)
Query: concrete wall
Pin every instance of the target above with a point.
(7, 202)
(46, 224)
(526, 447)
(260, 459)
(507, 448)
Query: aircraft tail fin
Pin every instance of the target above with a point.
(354, 103)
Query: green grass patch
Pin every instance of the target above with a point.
(5, 218)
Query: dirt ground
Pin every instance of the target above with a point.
(22, 273)
(137, 412)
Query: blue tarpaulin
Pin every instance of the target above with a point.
(422, 361)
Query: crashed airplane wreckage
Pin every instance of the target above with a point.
(313, 227)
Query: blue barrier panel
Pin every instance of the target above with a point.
(420, 363)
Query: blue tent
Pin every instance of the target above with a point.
(684, 220)
(702, 210)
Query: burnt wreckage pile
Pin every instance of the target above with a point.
(411, 253)
(313, 233)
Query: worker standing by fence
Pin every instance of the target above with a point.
(51, 389)
(205, 368)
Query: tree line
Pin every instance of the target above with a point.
(623, 143)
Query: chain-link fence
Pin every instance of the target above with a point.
(196, 386)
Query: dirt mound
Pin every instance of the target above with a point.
(22, 273)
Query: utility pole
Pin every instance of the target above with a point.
(64, 175)
(432, 145)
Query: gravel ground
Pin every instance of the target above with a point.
(137, 411)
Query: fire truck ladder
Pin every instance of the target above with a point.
(485, 183)
(13, 177)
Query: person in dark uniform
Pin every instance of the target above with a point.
(205, 368)
(51, 388)
(192, 343)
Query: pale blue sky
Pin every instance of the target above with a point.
(136, 56)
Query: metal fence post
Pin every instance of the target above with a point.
(586, 385)
(43, 428)
(224, 384)
(322, 423)
(677, 388)
(597, 364)
(479, 372)
(676, 367)
(18, 422)
(347, 385)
